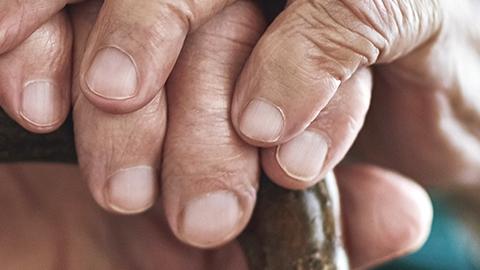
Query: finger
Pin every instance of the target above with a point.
(208, 172)
(306, 159)
(310, 49)
(19, 19)
(35, 77)
(386, 215)
(118, 154)
(133, 47)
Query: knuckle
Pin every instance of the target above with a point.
(356, 33)
(180, 12)
(158, 23)
(337, 31)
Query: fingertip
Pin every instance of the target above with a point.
(303, 157)
(119, 154)
(131, 191)
(298, 163)
(262, 122)
(304, 160)
(291, 176)
(213, 219)
(44, 106)
(129, 55)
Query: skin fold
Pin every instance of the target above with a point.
(413, 126)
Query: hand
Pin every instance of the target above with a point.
(404, 50)
(423, 116)
(154, 143)
(203, 155)
(140, 44)
(93, 140)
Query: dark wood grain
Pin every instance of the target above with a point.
(296, 230)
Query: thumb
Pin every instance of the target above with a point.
(313, 47)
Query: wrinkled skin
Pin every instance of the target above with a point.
(50, 184)
(424, 122)
(424, 58)
(443, 98)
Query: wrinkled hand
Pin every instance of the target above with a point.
(424, 55)
(421, 50)
(284, 64)
(207, 74)
(424, 117)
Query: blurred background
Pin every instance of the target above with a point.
(454, 242)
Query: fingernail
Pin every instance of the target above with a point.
(131, 190)
(262, 121)
(210, 219)
(112, 74)
(302, 157)
(41, 103)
